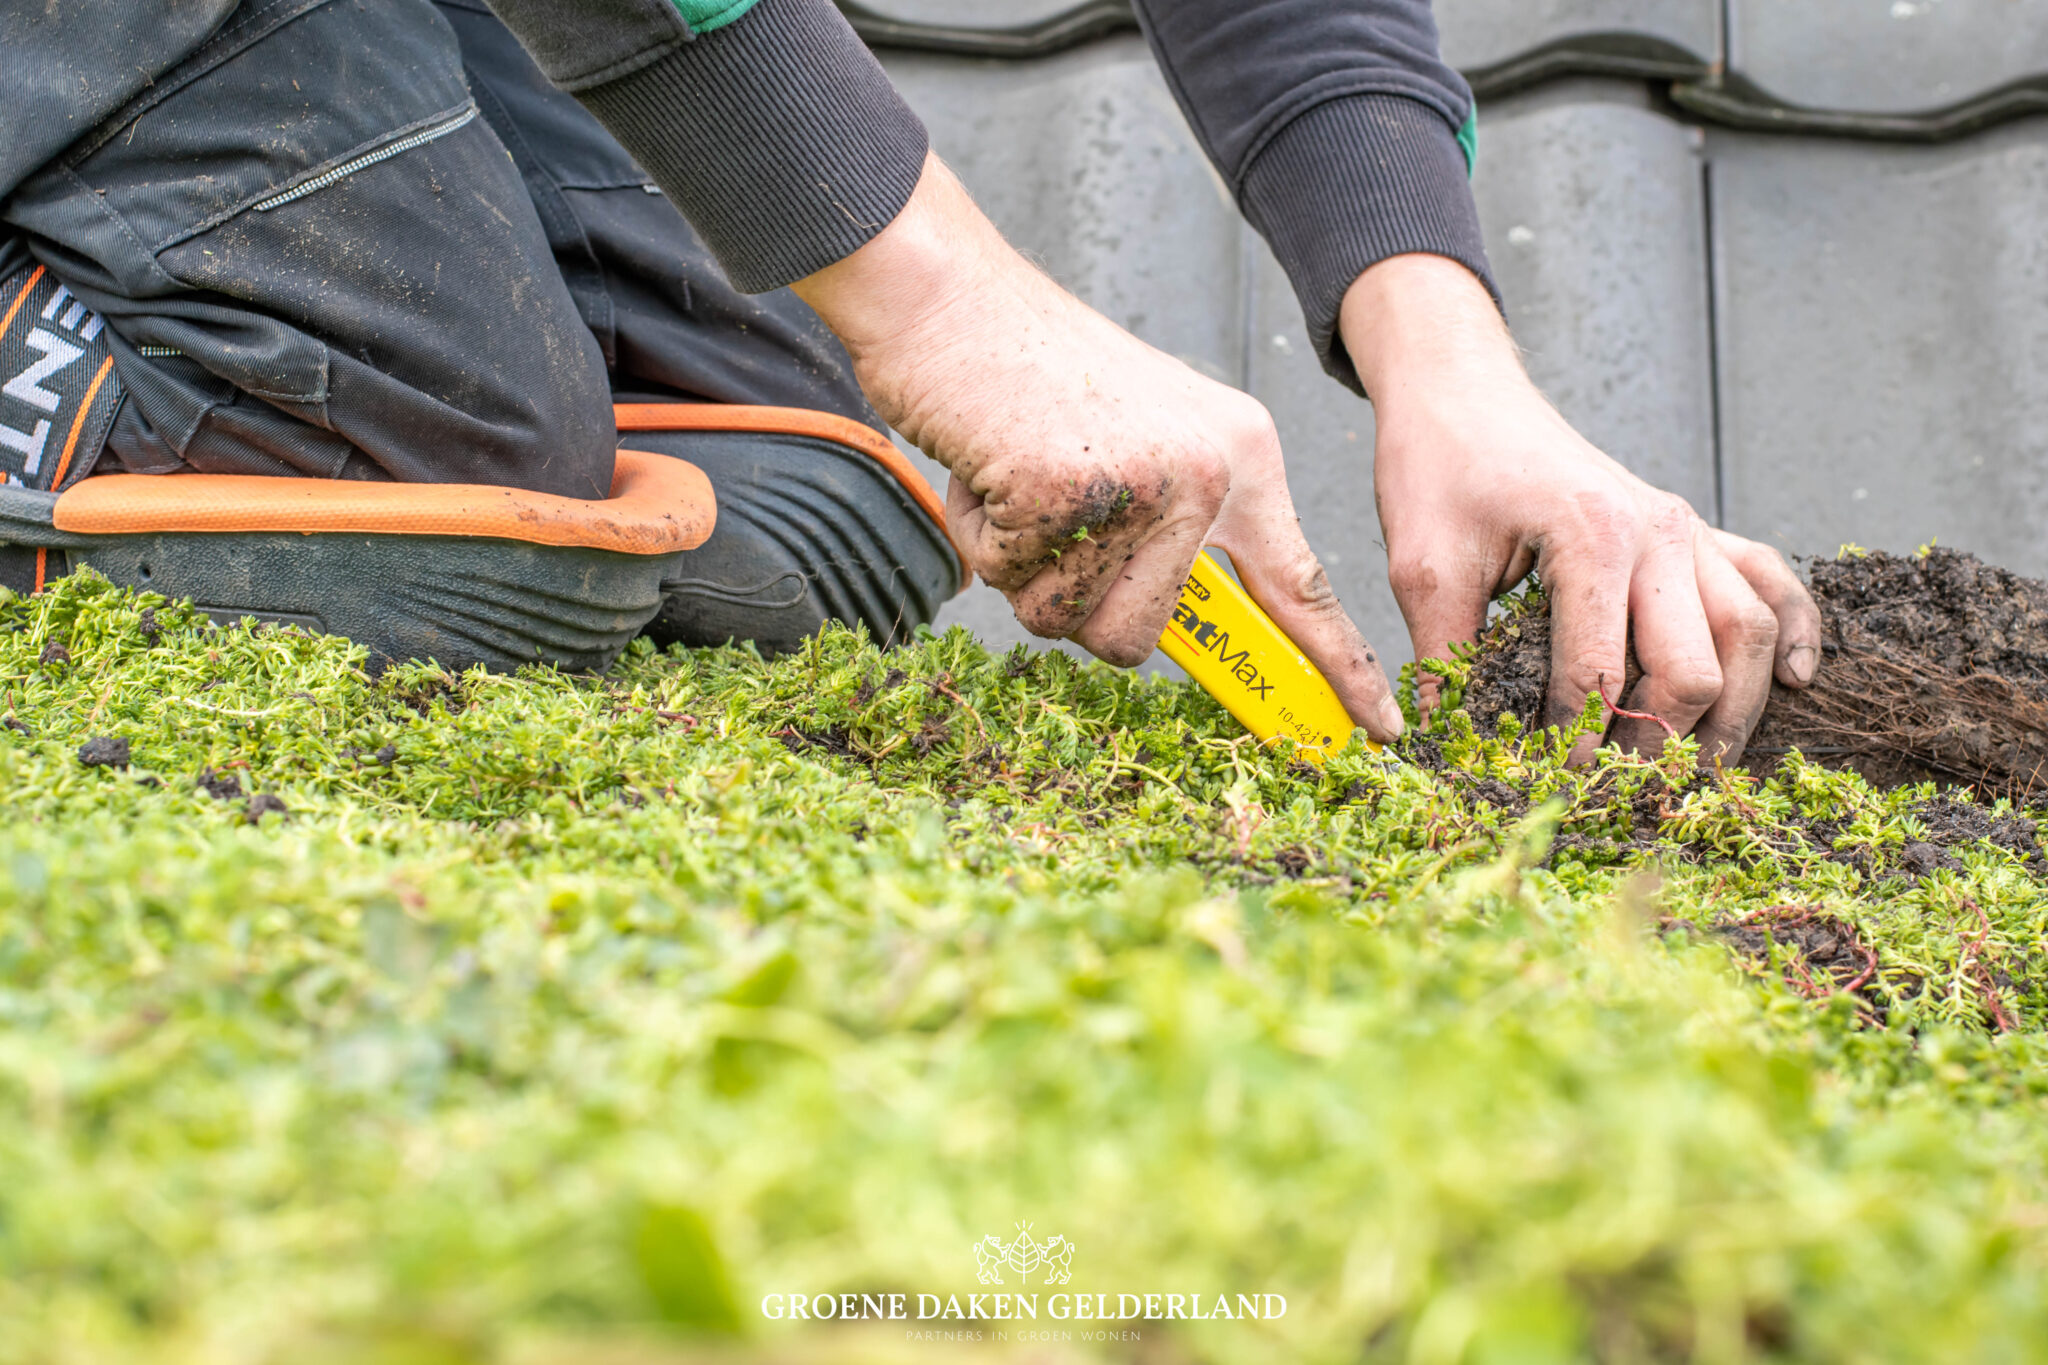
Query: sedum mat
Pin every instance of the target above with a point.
(421, 1018)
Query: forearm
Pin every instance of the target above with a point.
(1418, 325)
(934, 256)
(776, 132)
(938, 272)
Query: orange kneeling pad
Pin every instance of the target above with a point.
(658, 506)
(823, 426)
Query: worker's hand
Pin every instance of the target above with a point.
(1478, 480)
(1088, 469)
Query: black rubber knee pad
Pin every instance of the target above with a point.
(454, 600)
(809, 531)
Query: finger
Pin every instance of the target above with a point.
(1746, 638)
(1587, 583)
(1273, 561)
(967, 519)
(1443, 599)
(1056, 553)
(1079, 570)
(1772, 579)
(1011, 541)
(1674, 643)
(1135, 608)
(1063, 596)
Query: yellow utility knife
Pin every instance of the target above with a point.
(1228, 644)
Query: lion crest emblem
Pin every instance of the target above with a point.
(1054, 1256)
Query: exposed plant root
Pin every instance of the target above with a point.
(1875, 711)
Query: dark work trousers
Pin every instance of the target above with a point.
(367, 239)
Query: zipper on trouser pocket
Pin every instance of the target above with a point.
(367, 159)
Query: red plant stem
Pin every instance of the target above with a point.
(1633, 715)
(1862, 978)
(1980, 976)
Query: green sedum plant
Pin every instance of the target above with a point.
(420, 1017)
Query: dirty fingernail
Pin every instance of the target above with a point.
(1801, 660)
(1390, 717)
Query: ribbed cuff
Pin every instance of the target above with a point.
(1350, 183)
(779, 137)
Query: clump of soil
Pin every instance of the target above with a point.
(1933, 666)
(222, 786)
(262, 804)
(1511, 676)
(1828, 955)
(104, 751)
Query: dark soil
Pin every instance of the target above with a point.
(262, 804)
(222, 786)
(1952, 824)
(931, 734)
(1827, 955)
(1512, 673)
(1933, 667)
(1294, 861)
(834, 740)
(104, 751)
(421, 696)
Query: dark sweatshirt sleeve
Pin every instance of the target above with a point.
(776, 133)
(1338, 127)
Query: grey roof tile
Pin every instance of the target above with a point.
(989, 28)
(1886, 56)
(1594, 210)
(978, 14)
(1910, 70)
(1486, 38)
(1327, 432)
(1883, 342)
(1501, 44)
